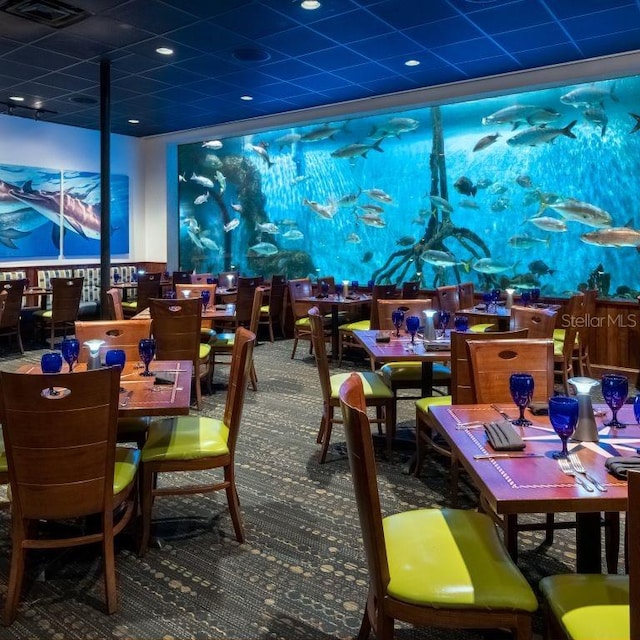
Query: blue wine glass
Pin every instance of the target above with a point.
(521, 386)
(535, 295)
(397, 317)
(486, 298)
(51, 363)
(206, 298)
(339, 289)
(210, 281)
(563, 415)
(134, 277)
(354, 286)
(615, 389)
(70, 351)
(413, 322)
(636, 408)
(495, 296)
(371, 284)
(443, 320)
(324, 289)
(116, 278)
(146, 349)
(461, 323)
(525, 297)
(116, 358)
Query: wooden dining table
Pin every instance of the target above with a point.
(511, 484)
(500, 314)
(212, 312)
(400, 349)
(165, 393)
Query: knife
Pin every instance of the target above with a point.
(487, 456)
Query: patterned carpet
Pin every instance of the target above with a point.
(301, 573)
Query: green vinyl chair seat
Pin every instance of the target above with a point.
(589, 607)
(125, 468)
(360, 325)
(374, 386)
(223, 340)
(394, 372)
(185, 438)
(302, 322)
(3, 462)
(204, 351)
(481, 327)
(450, 558)
(264, 309)
(432, 401)
(130, 304)
(43, 314)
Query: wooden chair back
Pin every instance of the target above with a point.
(176, 328)
(380, 292)
(148, 287)
(258, 294)
(60, 450)
(195, 291)
(117, 334)
(330, 281)
(241, 359)
(633, 551)
(413, 307)
(319, 344)
(114, 304)
(540, 322)
(276, 296)
(362, 462)
(448, 298)
(67, 293)
(200, 278)
(466, 295)
(12, 291)
(244, 299)
(462, 389)
(493, 361)
(223, 278)
(410, 290)
(181, 277)
(300, 288)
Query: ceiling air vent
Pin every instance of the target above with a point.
(49, 12)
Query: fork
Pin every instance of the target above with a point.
(565, 467)
(576, 463)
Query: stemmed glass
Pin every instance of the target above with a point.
(354, 286)
(70, 351)
(615, 389)
(146, 349)
(116, 278)
(525, 296)
(413, 322)
(51, 363)
(495, 296)
(116, 358)
(461, 323)
(397, 317)
(636, 408)
(324, 288)
(486, 298)
(339, 289)
(535, 295)
(443, 320)
(521, 386)
(563, 415)
(206, 297)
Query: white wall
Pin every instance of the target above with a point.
(29, 142)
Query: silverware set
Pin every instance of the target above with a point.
(572, 466)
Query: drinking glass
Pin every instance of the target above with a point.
(70, 351)
(134, 277)
(209, 280)
(370, 284)
(397, 317)
(495, 296)
(116, 278)
(535, 295)
(51, 363)
(146, 349)
(636, 408)
(461, 323)
(324, 288)
(115, 358)
(354, 286)
(563, 415)
(615, 389)
(339, 289)
(521, 386)
(443, 320)
(413, 322)
(206, 297)
(525, 296)
(486, 298)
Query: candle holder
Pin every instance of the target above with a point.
(94, 353)
(509, 302)
(586, 429)
(429, 327)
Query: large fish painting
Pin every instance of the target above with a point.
(46, 213)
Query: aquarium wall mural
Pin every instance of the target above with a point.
(536, 189)
(47, 213)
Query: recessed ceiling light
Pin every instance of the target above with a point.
(246, 98)
(16, 98)
(310, 5)
(164, 51)
(412, 63)
(133, 121)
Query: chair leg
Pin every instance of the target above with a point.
(295, 346)
(327, 434)
(549, 531)
(321, 430)
(146, 506)
(271, 338)
(253, 376)
(109, 561)
(365, 625)
(612, 540)
(234, 504)
(16, 574)
(19, 337)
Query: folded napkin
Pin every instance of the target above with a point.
(503, 437)
(539, 408)
(353, 296)
(322, 295)
(619, 465)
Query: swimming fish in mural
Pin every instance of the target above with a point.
(297, 180)
(485, 142)
(264, 249)
(293, 234)
(524, 281)
(203, 181)
(598, 117)
(464, 186)
(230, 226)
(613, 237)
(356, 149)
(267, 227)
(393, 128)
(372, 220)
(469, 204)
(542, 116)
(584, 212)
(8, 202)
(261, 150)
(354, 238)
(589, 96)
(442, 259)
(322, 133)
(202, 198)
(515, 115)
(490, 266)
(348, 200)
(237, 207)
(441, 203)
(7, 237)
(77, 216)
(379, 195)
(540, 135)
(287, 140)
(405, 241)
(222, 181)
(547, 223)
(636, 126)
(540, 268)
(500, 204)
(326, 211)
(526, 241)
(366, 257)
(371, 208)
(524, 181)
(496, 189)
(212, 144)
(23, 220)
(209, 244)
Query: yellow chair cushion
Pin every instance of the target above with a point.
(432, 401)
(589, 607)
(130, 304)
(558, 334)
(557, 348)
(185, 438)
(264, 309)
(205, 350)
(412, 372)
(303, 322)
(374, 386)
(3, 462)
(43, 314)
(223, 340)
(125, 469)
(360, 325)
(481, 327)
(431, 550)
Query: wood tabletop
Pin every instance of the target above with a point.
(400, 348)
(141, 396)
(212, 312)
(334, 300)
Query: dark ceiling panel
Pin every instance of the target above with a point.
(293, 59)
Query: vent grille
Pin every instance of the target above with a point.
(52, 13)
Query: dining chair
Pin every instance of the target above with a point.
(540, 322)
(64, 465)
(300, 288)
(10, 309)
(182, 277)
(198, 443)
(222, 344)
(175, 325)
(466, 295)
(449, 300)
(114, 304)
(148, 287)
(586, 331)
(377, 393)
(116, 334)
(410, 290)
(566, 350)
(244, 299)
(596, 606)
(271, 313)
(200, 278)
(185, 291)
(228, 279)
(428, 567)
(65, 304)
